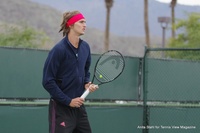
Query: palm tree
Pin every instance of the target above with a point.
(172, 5)
(109, 4)
(146, 23)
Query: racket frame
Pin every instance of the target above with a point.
(84, 95)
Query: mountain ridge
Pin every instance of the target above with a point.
(126, 16)
(47, 18)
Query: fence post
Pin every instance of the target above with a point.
(145, 106)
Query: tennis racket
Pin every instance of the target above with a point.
(108, 67)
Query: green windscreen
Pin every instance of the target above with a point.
(21, 76)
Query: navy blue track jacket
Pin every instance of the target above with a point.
(66, 70)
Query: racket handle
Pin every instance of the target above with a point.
(84, 95)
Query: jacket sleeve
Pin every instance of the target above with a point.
(87, 67)
(50, 70)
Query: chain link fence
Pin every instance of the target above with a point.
(171, 90)
(159, 93)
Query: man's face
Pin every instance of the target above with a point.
(79, 27)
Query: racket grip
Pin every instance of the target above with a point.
(96, 86)
(84, 95)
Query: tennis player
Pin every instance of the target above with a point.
(66, 76)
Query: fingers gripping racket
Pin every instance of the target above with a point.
(108, 67)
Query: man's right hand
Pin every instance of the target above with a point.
(76, 102)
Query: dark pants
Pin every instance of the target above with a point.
(65, 119)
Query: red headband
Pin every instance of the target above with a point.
(74, 19)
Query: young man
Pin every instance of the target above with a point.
(66, 76)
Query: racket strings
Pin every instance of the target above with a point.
(104, 75)
(109, 67)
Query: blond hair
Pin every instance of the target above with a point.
(66, 16)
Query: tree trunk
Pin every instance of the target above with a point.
(172, 5)
(106, 48)
(146, 23)
(109, 4)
